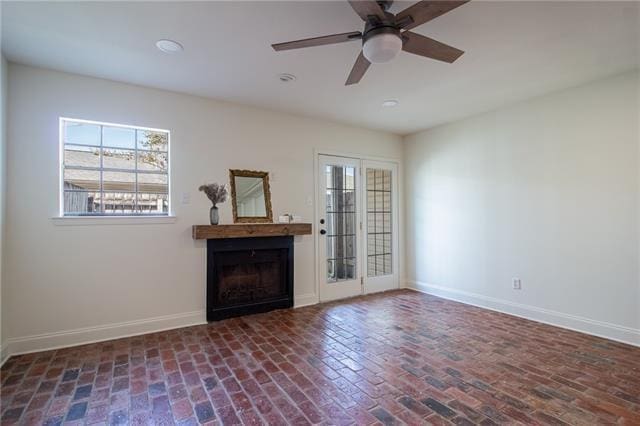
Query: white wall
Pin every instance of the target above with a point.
(65, 278)
(545, 190)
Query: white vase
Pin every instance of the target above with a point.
(214, 217)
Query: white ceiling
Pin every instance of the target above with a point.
(514, 50)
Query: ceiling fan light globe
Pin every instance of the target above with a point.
(382, 48)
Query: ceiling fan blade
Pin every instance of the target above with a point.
(428, 47)
(367, 8)
(318, 41)
(425, 11)
(358, 70)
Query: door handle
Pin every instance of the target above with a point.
(322, 232)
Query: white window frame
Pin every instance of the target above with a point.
(63, 219)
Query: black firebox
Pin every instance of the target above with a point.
(248, 276)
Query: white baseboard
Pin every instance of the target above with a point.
(606, 330)
(4, 352)
(86, 335)
(305, 300)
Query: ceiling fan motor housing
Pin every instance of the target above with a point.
(385, 4)
(377, 30)
(375, 22)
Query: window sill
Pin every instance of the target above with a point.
(112, 220)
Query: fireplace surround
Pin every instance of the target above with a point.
(248, 275)
(249, 267)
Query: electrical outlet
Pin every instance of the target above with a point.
(517, 284)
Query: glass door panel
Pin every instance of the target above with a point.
(340, 218)
(381, 226)
(379, 217)
(339, 227)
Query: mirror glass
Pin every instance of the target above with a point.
(250, 197)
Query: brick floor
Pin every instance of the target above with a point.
(392, 358)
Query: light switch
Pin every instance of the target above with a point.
(186, 198)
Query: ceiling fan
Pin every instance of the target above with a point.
(386, 34)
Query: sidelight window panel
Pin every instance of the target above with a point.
(379, 232)
(113, 169)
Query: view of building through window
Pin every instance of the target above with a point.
(114, 170)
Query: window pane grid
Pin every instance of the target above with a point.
(117, 183)
(341, 223)
(379, 253)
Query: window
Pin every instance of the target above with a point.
(378, 222)
(113, 170)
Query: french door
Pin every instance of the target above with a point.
(380, 198)
(340, 233)
(357, 229)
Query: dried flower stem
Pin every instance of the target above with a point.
(216, 192)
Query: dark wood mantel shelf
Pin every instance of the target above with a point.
(247, 230)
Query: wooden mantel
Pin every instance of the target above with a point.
(246, 230)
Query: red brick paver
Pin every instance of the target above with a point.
(394, 358)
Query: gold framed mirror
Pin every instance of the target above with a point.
(250, 196)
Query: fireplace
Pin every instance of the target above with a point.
(248, 275)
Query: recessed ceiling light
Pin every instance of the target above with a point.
(169, 46)
(286, 78)
(390, 103)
